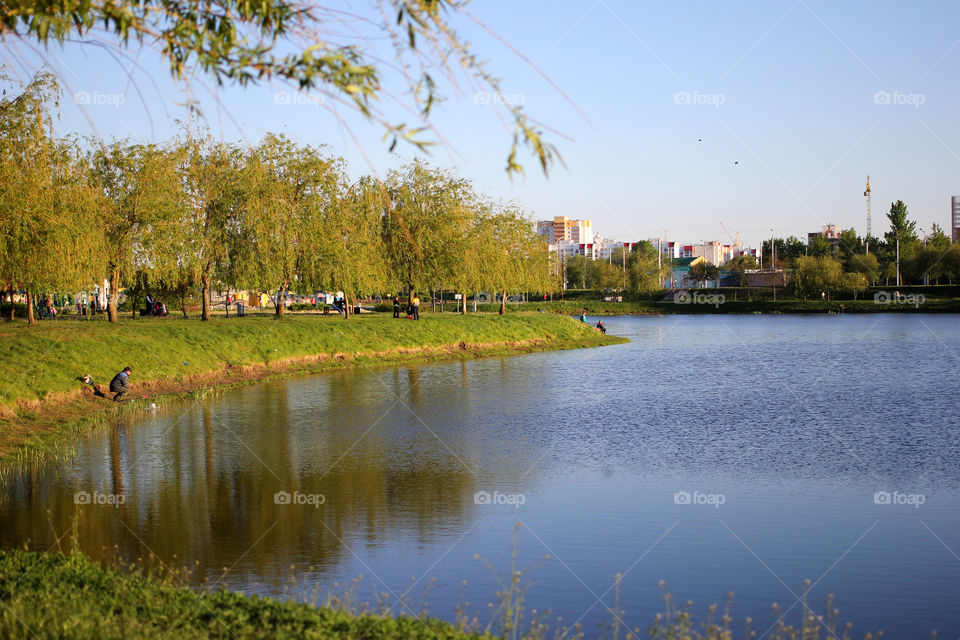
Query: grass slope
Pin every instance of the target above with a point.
(49, 595)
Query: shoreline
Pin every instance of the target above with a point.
(42, 428)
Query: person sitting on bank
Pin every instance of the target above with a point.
(600, 326)
(120, 384)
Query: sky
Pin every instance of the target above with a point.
(671, 117)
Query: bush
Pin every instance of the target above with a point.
(19, 310)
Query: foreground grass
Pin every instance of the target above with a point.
(47, 595)
(42, 402)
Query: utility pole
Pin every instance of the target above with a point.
(898, 257)
(866, 194)
(659, 257)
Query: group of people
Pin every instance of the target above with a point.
(413, 311)
(600, 327)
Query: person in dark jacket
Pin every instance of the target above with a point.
(396, 307)
(120, 384)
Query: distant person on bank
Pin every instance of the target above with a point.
(396, 307)
(120, 384)
(600, 326)
(416, 307)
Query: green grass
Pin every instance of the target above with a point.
(47, 595)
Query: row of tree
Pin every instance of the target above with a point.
(900, 257)
(279, 216)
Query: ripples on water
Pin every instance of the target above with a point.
(796, 421)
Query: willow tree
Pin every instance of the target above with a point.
(422, 226)
(515, 258)
(48, 228)
(213, 191)
(283, 214)
(349, 253)
(141, 185)
(337, 52)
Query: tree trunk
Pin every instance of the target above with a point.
(503, 303)
(30, 317)
(278, 306)
(346, 306)
(11, 303)
(205, 297)
(114, 294)
(463, 303)
(226, 307)
(183, 302)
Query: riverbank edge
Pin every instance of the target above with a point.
(47, 430)
(707, 305)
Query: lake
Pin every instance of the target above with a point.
(716, 453)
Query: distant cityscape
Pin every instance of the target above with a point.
(568, 238)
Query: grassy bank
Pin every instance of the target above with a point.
(49, 595)
(42, 402)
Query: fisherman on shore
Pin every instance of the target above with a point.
(120, 384)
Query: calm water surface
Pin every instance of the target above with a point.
(743, 454)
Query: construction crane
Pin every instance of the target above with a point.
(736, 241)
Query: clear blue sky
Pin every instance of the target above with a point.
(784, 88)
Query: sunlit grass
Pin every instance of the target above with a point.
(54, 595)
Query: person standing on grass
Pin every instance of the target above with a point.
(121, 384)
(416, 307)
(396, 307)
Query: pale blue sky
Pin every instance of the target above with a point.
(785, 88)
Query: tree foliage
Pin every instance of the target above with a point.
(309, 46)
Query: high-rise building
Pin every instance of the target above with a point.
(563, 229)
(955, 218)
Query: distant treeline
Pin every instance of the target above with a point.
(195, 213)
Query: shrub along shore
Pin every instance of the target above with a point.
(43, 402)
